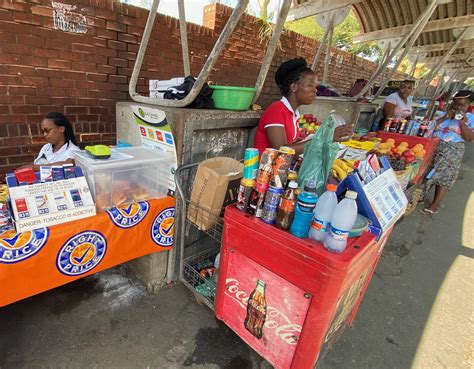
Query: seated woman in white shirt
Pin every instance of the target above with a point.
(61, 142)
(396, 105)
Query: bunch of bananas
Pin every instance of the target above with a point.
(3, 193)
(341, 168)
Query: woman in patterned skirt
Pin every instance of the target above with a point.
(453, 129)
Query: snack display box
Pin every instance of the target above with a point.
(130, 174)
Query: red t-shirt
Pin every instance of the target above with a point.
(278, 114)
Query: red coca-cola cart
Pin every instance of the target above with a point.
(289, 298)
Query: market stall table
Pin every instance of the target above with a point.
(35, 261)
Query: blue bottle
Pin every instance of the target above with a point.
(304, 212)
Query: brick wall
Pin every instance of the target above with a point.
(43, 69)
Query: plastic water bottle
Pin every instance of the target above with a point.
(305, 204)
(342, 221)
(323, 214)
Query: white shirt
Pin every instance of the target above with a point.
(402, 108)
(47, 156)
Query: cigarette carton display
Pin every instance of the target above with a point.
(50, 202)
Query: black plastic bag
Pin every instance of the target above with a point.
(202, 101)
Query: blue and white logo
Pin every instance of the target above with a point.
(169, 138)
(81, 253)
(162, 230)
(127, 216)
(15, 247)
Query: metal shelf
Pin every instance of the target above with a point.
(204, 289)
(212, 225)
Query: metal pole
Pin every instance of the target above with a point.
(413, 68)
(272, 45)
(184, 38)
(328, 50)
(448, 84)
(385, 57)
(206, 69)
(448, 54)
(440, 81)
(180, 223)
(420, 22)
(320, 50)
(436, 69)
(143, 45)
(408, 46)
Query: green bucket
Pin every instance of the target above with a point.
(232, 97)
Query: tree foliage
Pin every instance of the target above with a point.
(342, 36)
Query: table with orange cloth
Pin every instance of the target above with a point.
(35, 261)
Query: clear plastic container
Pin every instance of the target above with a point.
(131, 174)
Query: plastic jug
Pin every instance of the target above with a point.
(323, 214)
(304, 210)
(342, 221)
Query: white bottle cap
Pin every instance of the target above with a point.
(293, 185)
(351, 195)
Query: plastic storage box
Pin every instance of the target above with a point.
(131, 174)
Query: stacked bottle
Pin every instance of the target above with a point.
(304, 210)
(323, 214)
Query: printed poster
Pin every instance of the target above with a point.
(156, 134)
(387, 198)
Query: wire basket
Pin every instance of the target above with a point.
(204, 288)
(205, 220)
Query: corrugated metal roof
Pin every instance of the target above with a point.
(379, 19)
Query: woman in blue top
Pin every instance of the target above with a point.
(456, 127)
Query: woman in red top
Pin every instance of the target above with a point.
(278, 125)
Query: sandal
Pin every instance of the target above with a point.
(427, 211)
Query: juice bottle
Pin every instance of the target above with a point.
(286, 209)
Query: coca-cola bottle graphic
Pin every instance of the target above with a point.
(256, 311)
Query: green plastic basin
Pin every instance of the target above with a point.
(232, 97)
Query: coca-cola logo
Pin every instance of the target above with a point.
(276, 321)
(258, 307)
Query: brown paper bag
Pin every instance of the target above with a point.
(216, 185)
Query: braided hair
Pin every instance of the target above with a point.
(60, 120)
(289, 72)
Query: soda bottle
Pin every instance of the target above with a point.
(292, 176)
(342, 221)
(256, 311)
(287, 207)
(304, 210)
(323, 214)
(310, 186)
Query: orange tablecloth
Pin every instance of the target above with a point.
(35, 261)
